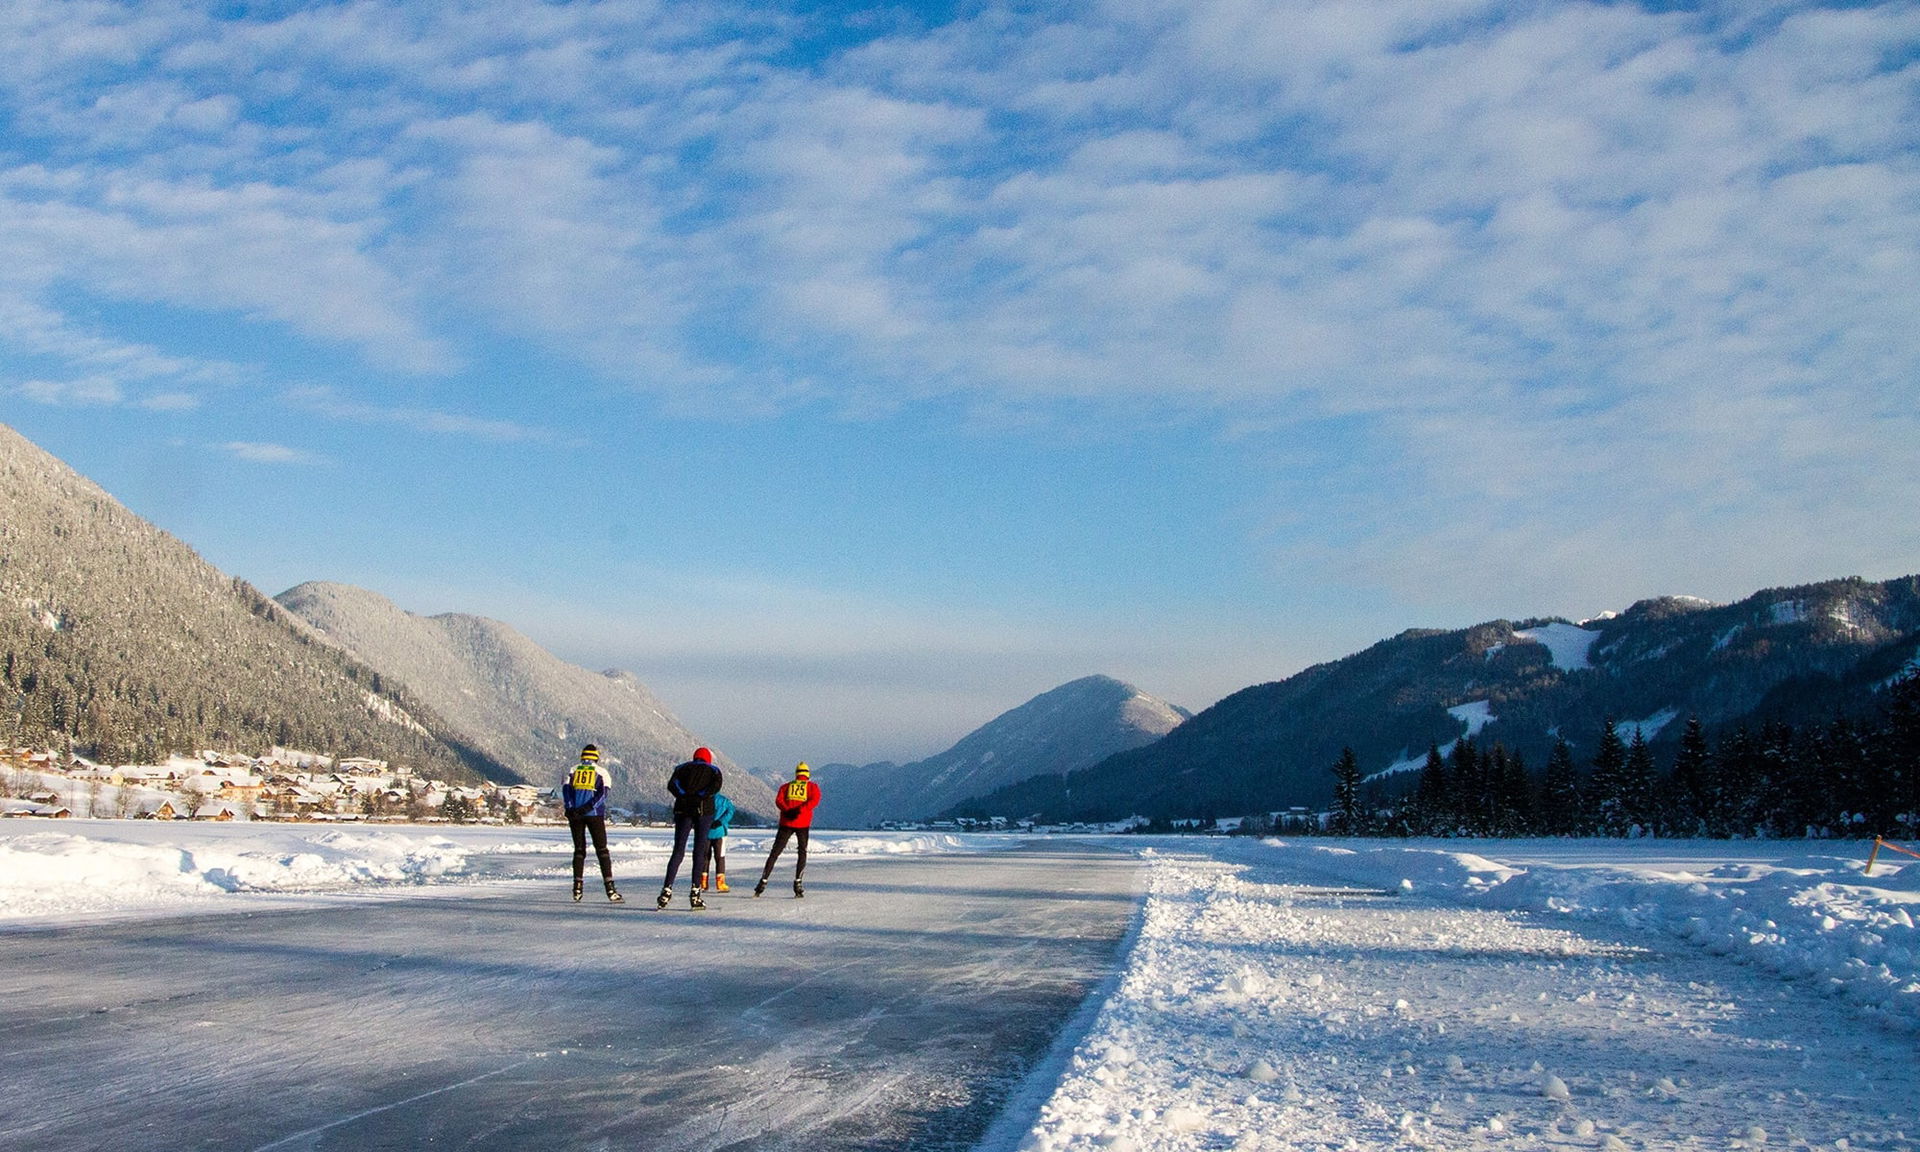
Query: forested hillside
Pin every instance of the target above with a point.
(1781, 665)
(522, 705)
(118, 641)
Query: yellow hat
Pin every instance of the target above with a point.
(589, 753)
(801, 771)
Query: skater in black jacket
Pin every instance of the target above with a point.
(694, 785)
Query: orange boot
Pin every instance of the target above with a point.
(722, 884)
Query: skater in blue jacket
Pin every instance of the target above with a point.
(717, 842)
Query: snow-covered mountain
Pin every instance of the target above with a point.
(120, 642)
(1797, 655)
(505, 694)
(1059, 731)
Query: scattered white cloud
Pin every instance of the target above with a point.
(170, 402)
(1590, 286)
(329, 403)
(257, 453)
(86, 391)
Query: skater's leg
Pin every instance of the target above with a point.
(800, 853)
(578, 827)
(598, 826)
(780, 839)
(701, 825)
(682, 825)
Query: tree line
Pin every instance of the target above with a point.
(1852, 777)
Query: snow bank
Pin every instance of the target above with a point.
(1290, 995)
(95, 866)
(1806, 916)
(59, 873)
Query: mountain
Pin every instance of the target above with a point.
(522, 705)
(1799, 655)
(1060, 731)
(118, 641)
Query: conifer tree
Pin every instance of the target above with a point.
(1606, 788)
(1777, 803)
(1432, 798)
(1840, 772)
(1897, 749)
(1517, 816)
(1561, 809)
(1734, 808)
(1347, 818)
(1468, 788)
(1690, 784)
(1637, 785)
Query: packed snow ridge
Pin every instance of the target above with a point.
(1285, 996)
(124, 867)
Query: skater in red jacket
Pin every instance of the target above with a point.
(796, 799)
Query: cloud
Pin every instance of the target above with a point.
(257, 453)
(327, 402)
(1578, 281)
(87, 391)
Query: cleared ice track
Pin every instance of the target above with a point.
(896, 1007)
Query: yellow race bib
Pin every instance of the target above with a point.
(585, 778)
(797, 792)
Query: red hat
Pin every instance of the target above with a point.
(703, 755)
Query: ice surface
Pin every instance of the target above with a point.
(1524, 994)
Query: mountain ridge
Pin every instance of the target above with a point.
(1787, 653)
(1067, 727)
(119, 640)
(527, 707)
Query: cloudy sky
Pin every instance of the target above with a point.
(854, 373)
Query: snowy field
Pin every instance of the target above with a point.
(1287, 995)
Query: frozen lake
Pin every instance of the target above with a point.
(897, 1006)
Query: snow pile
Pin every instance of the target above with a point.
(1855, 936)
(1286, 996)
(121, 866)
(1807, 917)
(56, 873)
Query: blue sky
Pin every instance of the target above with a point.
(854, 374)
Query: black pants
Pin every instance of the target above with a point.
(718, 846)
(780, 838)
(697, 823)
(580, 826)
